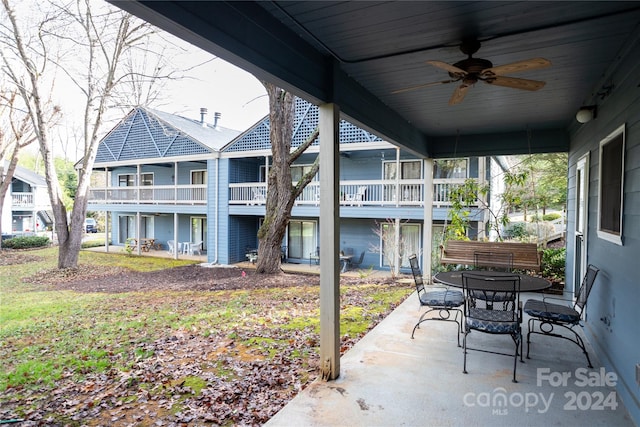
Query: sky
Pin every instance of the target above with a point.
(217, 85)
(220, 87)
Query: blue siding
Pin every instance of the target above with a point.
(616, 292)
(223, 212)
(360, 235)
(245, 170)
(243, 231)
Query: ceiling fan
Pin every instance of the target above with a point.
(470, 70)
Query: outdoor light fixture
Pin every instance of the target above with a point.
(586, 113)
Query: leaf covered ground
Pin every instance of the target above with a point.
(180, 346)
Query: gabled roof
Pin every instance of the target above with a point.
(146, 133)
(257, 137)
(214, 137)
(28, 176)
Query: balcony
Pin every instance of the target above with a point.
(150, 195)
(22, 200)
(355, 193)
(352, 193)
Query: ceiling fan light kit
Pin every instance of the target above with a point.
(470, 70)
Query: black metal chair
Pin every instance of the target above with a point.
(548, 315)
(492, 305)
(355, 263)
(441, 300)
(315, 256)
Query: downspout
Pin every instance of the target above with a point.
(216, 159)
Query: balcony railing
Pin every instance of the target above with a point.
(352, 193)
(151, 194)
(355, 193)
(22, 200)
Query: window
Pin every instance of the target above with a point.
(298, 171)
(408, 243)
(409, 169)
(450, 168)
(198, 177)
(146, 179)
(611, 179)
(302, 239)
(129, 180)
(126, 180)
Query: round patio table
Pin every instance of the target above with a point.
(527, 283)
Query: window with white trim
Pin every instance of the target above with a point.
(450, 168)
(409, 169)
(611, 188)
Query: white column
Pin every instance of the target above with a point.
(106, 231)
(427, 231)
(482, 180)
(398, 172)
(329, 241)
(139, 249)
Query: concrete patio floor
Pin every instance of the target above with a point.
(389, 379)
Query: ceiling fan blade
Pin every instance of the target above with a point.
(458, 94)
(448, 67)
(410, 88)
(514, 67)
(515, 83)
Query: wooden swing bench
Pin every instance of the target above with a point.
(524, 256)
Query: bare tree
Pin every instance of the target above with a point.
(104, 41)
(16, 133)
(394, 247)
(21, 96)
(281, 191)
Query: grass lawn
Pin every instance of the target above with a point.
(224, 357)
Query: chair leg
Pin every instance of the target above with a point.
(464, 351)
(441, 318)
(578, 340)
(517, 340)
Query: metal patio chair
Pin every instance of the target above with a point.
(492, 306)
(494, 261)
(440, 300)
(548, 315)
(356, 263)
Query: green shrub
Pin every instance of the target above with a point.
(516, 231)
(551, 216)
(26, 242)
(553, 261)
(95, 243)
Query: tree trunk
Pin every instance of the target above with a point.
(281, 193)
(279, 186)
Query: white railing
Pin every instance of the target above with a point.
(408, 192)
(151, 194)
(354, 193)
(22, 199)
(442, 189)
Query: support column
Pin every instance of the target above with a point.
(175, 235)
(482, 180)
(139, 245)
(106, 231)
(427, 232)
(329, 125)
